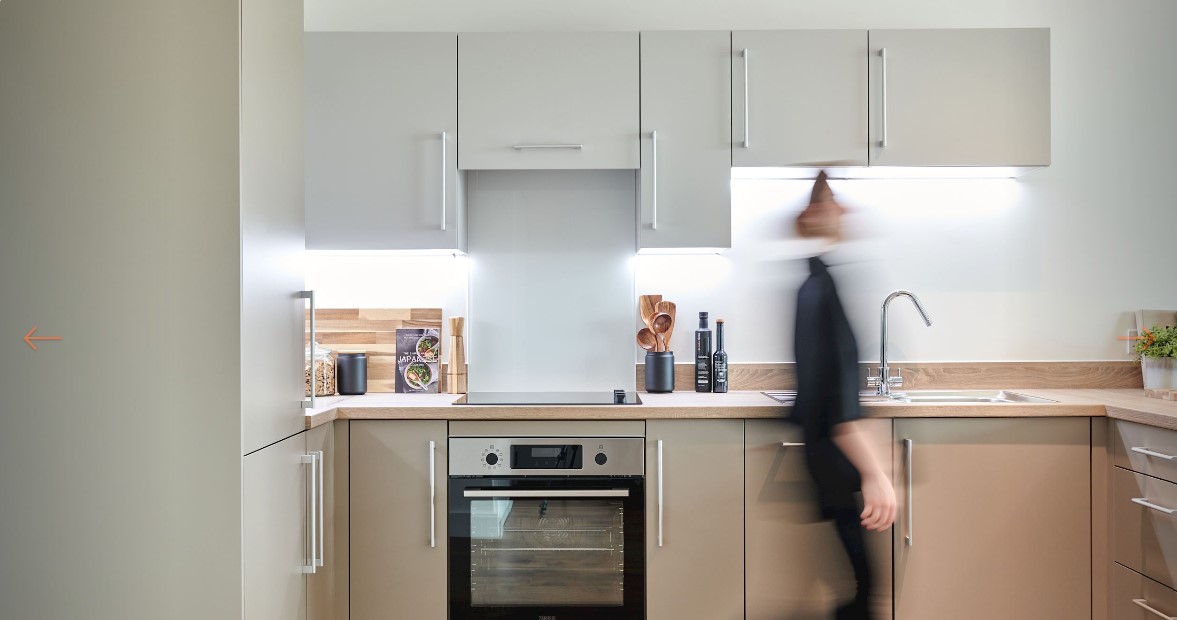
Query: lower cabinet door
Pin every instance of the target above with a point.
(996, 522)
(694, 519)
(795, 566)
(1136, 597)
(275, 530)
(327, 586)
(398, 519)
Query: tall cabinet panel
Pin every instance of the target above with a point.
(275, 530)
(272, 240)
(686, 151)
(795, 566)
(996, 521)
(547, 100)
(382, 141)
(800, 98)
(971, 97)
(398, 519)
(695, 529)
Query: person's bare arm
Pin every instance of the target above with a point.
(878, 495)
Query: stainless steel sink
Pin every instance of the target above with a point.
(928, 396)
(965, 396)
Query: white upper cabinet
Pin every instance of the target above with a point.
(800, 98)
(960, 97)
(548, 100)
(381, 142)
(686, 149)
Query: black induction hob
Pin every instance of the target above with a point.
(616, 397)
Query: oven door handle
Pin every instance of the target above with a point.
(546, 493)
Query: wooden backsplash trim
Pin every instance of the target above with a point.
(940, 375)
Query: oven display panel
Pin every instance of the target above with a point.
(547, 457)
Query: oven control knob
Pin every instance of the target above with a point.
(492, 458)
(600, 458)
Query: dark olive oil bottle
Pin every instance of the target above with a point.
(703, 355)
(719, 360)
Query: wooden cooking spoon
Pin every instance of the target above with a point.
(661, 322)
(646, 305)
(647, 340)
(669, 308)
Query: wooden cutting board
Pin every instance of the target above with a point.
(373, 330)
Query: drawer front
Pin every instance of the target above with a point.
(1135, 597)
(1146, 449)
(1145, 538)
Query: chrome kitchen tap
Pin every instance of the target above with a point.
(884, 382)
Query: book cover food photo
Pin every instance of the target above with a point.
(418, 352)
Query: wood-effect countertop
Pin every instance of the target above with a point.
(1122, 404)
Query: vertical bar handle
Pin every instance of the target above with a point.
(747, 106)
(310, 403)
(660, 486)
(883, 56)
(312, 561)
(432, 494)
(908, 449)
(320, 492)
(654, 175)
(443, 141)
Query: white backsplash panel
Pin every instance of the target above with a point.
(551, 256)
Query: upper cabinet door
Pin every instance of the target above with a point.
(686, 152)
(381, 141)
(800, 98)
(548, 100)
(960, 97)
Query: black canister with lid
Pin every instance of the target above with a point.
(351, 373)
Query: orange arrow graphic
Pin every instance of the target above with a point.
(29, 337)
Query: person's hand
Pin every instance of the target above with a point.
(878, 496)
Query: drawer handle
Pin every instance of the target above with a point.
(1147, 452)
(1144, 603)
(522, 147)
(1144, 502)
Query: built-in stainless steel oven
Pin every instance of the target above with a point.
(546, 528)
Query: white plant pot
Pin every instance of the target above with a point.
(1160, 373)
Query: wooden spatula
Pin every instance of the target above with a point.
(646, 305)
(667, 307)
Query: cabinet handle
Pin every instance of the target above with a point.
(747, 107)
(659, 492)
(319, 491)
(654, 166)
(508, 493)
(1147, 504)
(432, 494)
(792, 444)
(908, 449)
(310, 459)
(575, 147)
(1144, 603)
(443, 180)
(883, 56)
(1147, 452)
(310, 403)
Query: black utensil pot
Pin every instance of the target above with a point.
(351, 373)
(659, 371)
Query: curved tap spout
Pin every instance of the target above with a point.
(885, 381)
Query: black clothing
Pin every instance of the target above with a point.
(827, 386)
(827, 395)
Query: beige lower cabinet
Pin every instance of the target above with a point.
(398, 519)
(694, 519)
(1136, 597)
(275, 530)
(327, 586)
(795, 568)
(996, 521)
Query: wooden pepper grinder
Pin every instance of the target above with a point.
(455, 376)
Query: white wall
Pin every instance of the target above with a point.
(1046, 267)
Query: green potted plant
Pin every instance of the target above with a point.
(1158, 357)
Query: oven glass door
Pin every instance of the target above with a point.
(562, 548)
